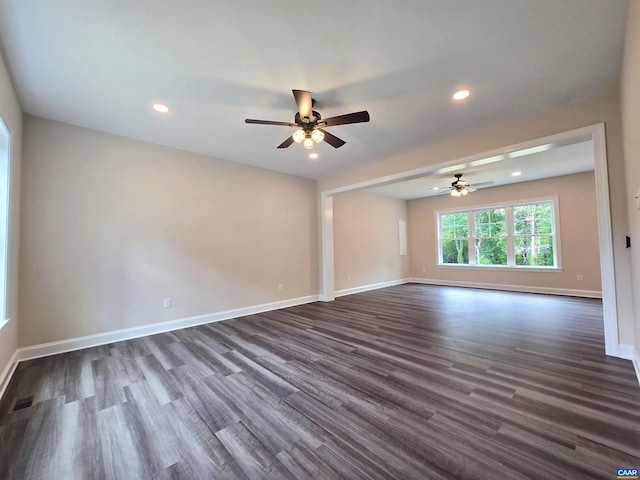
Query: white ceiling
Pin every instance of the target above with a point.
(533, 164)
(101, 64)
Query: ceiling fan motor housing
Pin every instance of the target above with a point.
(307, 124)
(458, 183)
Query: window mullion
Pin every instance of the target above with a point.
(511, 249)
(439, 246)
(554, 234)
(472, 237)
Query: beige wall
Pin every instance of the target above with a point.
(11, 114)
(578, 227)
(630, 101)
(365, 239)
(112, 226)
(602, 109)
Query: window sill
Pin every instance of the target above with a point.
(501, 268)
(4, 322)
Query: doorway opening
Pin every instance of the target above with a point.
(594, 133)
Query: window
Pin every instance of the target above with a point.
(4, 217)
(454, 239)
(520, 235)
(533, 234)
(491, 236)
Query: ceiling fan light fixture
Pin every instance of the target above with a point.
(298, 135)
(455, 193)
(308, 142)
(317, 136)
(464, 191)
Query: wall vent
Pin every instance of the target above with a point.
(22, 403)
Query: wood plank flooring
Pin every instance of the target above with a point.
(408, 382)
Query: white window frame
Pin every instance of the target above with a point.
(4, 246)
(511, 264)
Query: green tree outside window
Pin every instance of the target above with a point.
(455, 238)
(491, 236)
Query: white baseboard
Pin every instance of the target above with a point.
(625, 351)
(373, 286)
(511, 288)
(8, 372)
(636, 363)
(52, 348)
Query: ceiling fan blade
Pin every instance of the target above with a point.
(286, 143)
(269, 122)
(481, 184)
(356, 117)
(304, 102)
(332, 140)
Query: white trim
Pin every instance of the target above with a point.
(636, 363)
(52, 348)
(605, 238)
(373, 286)
(625, 351)
(557, 236)
(7, 373)
(327, 275)
(567, 292)
(5, 297)
(502, 268)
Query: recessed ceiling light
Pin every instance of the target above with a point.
(313, 155)
(160, 108)
(461, 94)
(516, 174)
(436, 188)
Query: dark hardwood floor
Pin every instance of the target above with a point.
(408, 382)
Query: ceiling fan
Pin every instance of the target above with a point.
(311, 125)
(460, 187)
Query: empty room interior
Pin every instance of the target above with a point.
(359, 240)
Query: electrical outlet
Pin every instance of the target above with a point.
(348, 277)
(280, 286)
(424, 270)
(579, 276)
(167, 303)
